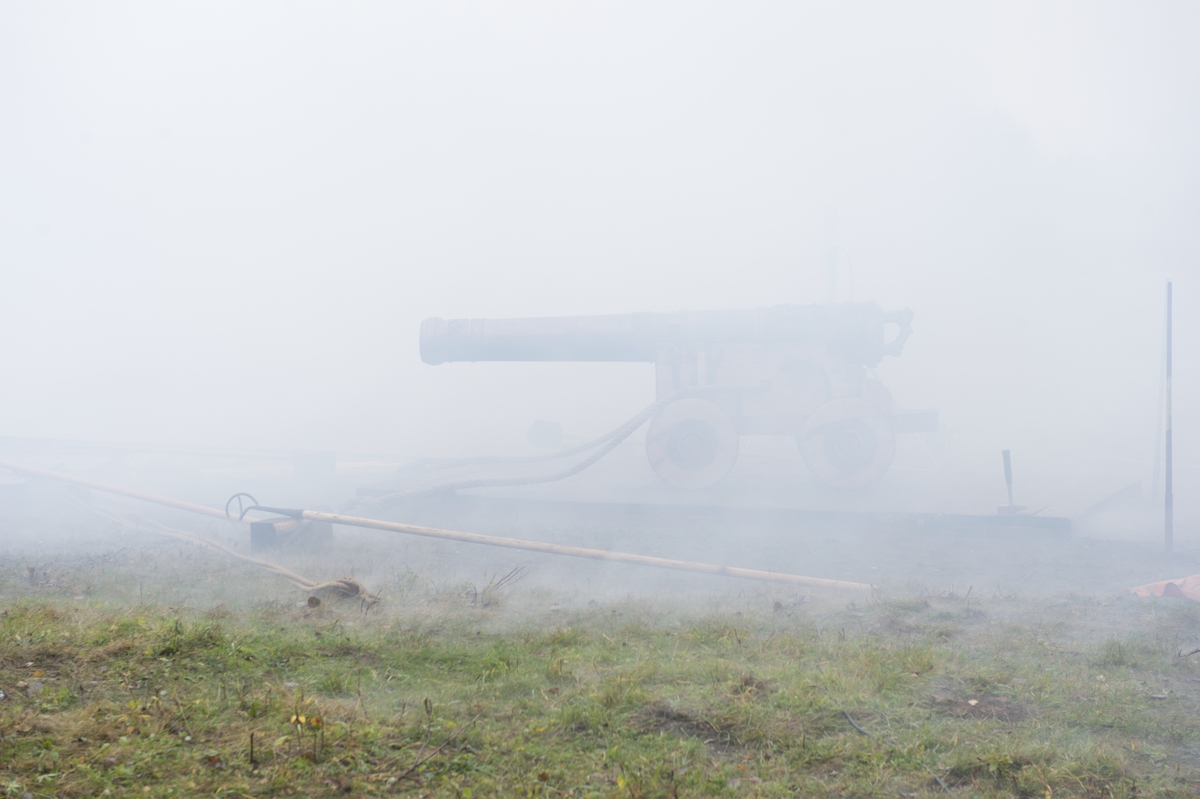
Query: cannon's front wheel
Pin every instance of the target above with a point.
(691, 443)
(847, 443)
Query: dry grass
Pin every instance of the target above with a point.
(454, 691)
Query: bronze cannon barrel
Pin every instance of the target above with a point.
(851, 331)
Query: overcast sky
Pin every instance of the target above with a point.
(222, 223)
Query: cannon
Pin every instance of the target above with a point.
(798, 370)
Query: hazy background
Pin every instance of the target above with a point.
(221, 224)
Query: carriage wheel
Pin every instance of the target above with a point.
(691, 444)
(848, 443)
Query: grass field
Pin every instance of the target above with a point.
(450, 692)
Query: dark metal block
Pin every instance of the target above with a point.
(263, 536)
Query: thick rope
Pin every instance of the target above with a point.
(450, 463)
(613, 439)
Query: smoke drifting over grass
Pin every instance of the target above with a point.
(221, 227)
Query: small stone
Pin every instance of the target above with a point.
(22, 685)
(34, 689)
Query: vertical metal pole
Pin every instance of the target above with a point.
(830, 250)
(1158, 421)
(831, 258)
(1169, 502)
(1008, 474)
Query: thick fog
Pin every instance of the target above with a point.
(222, 224)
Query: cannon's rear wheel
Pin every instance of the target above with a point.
(691, 443)
(848, 443)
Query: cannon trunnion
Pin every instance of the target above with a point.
(797, 370)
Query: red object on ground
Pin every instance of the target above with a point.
(1186, 587)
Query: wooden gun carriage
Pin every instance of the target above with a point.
(800, 370)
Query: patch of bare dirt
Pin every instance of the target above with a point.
(997, 708)
(661, 717)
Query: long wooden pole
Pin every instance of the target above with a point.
(1169, 501)
(125, 492)
(578, 552)
(454, 535)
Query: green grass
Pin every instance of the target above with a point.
(617, 701)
